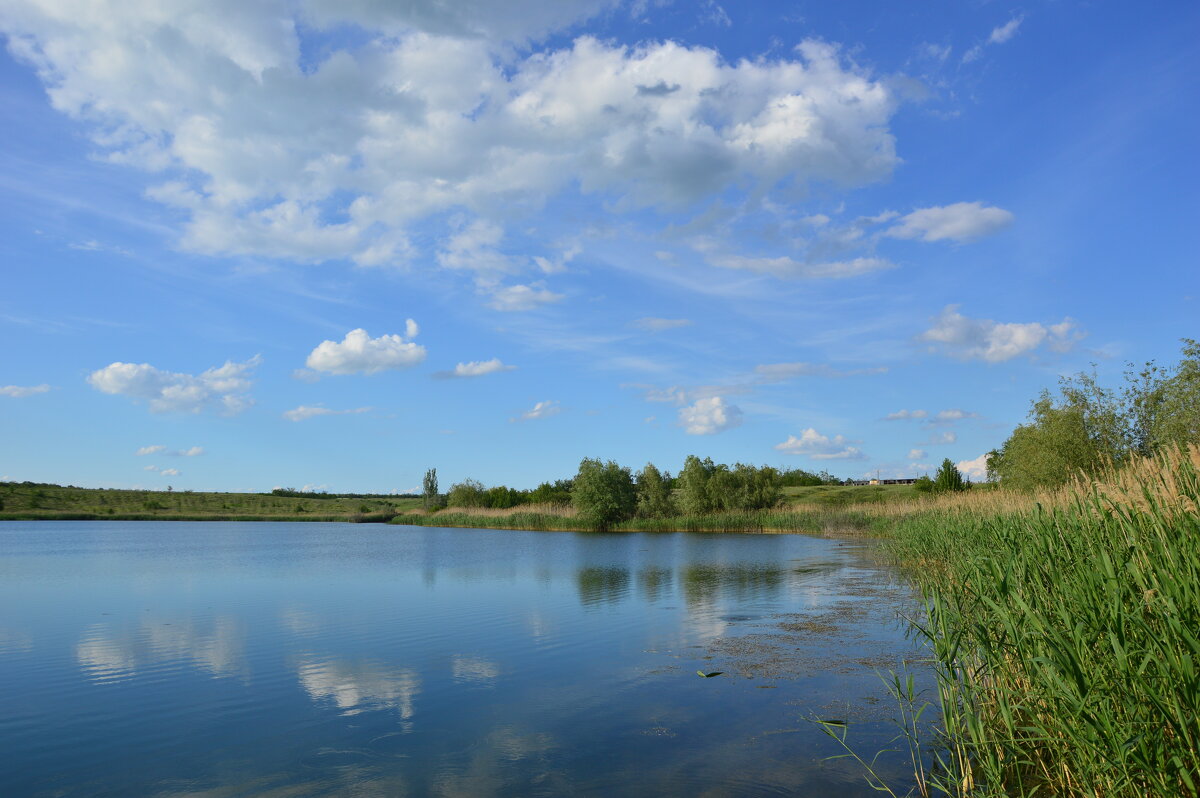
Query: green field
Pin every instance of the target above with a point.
(37, 501)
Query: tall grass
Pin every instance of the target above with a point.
(1066, 634)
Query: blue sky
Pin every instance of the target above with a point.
(332, 244)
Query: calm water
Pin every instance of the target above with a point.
(222, 659)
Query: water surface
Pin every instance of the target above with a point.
(222, 659)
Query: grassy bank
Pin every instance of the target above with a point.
(548, 518)
(1066, 633)
(39, 502)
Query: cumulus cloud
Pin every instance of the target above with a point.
(821, 447)
(544, 409)
(917, 454)
(975, 469)
(905, 415)
(359, 353)
(195, 451)
(709, 416)
(21, 391)
(222, 388)
(166, 472)
(994, 342)
(476, 368)
(268, 150)
(305, 412)
(962, 221)
(654, 324)
(942, 438)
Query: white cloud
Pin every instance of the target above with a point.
(904, 415)
(962, 221)
(544, 409)
(790, 268)
(358, 352)
(942, 438)
(476, 368)
(709, 416)
(305, 412)
(821, 447)
(170, 472)
(975, 469)
(195, 451)
(654, 324)
(1006, 31)
(269, 151)
(917, 454)
(995, 342)
(223, 387)
(21, 391)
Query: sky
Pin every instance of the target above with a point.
(328, 244)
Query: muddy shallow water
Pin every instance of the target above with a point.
(277, 659)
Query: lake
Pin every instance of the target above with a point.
(296, 659)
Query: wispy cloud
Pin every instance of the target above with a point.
(21, 391)
(654, 324)
(305, 412)
(545, 409)
(194, 451)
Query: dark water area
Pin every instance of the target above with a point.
(279, 659)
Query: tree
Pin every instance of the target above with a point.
(603, 493)
(923, 484)
(948, 478)
(430, 488)
(654, 493)
(694, 497)
(468, 493)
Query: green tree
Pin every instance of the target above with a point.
(429, 488)
(948, 478)
(923, 484)
(694, 497)
(557, 492)
(1163, 405)
(468, 493)
(654, 493)
(603, 493)
(1052, 448)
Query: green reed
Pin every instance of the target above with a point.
(1066, 638)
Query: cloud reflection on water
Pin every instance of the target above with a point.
(108, 655)
(357, 687)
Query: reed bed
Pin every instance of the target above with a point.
(1065, 633)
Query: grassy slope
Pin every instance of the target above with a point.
(51, 502)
